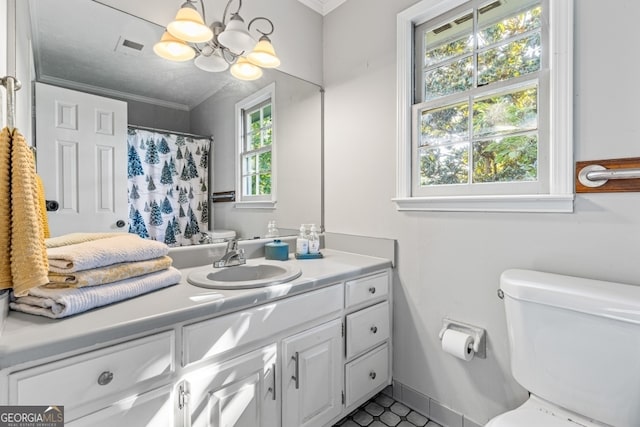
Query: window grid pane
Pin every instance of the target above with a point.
(508, 159)
(449, 40)
(509, 60)
(444, 125)
(448, 164)
(506, 113)
(508, 27)
(454, 77)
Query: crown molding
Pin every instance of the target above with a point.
(110, 93)
(323, 7)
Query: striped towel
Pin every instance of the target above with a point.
(108, 274)
(123, 247)
(58, 303)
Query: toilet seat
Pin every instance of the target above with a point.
(536, 412)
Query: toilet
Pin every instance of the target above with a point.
(219, 236)
(575, 346)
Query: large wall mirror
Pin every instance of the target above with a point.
(105, 48)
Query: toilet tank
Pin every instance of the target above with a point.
(576, 343)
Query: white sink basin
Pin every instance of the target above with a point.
(243, 276)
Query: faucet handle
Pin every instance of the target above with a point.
(232, 245)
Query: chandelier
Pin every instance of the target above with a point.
(220, 45)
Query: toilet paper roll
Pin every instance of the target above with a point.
(458, 344)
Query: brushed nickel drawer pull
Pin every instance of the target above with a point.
(105, 378)
(296, 377)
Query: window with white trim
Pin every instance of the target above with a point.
(484, 113)
(256, 147)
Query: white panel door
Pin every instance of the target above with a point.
(81, 142)
(241, 392)
(312, 376)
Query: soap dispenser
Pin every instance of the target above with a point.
(272, 230)
(302, 243)
(314, 241)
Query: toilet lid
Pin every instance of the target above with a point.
(536, 412)
(222, 234)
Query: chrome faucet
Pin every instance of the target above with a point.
(233, 256)
(205, 238)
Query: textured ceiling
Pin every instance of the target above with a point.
(78, 44)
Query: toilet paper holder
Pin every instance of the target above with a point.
(479, 344)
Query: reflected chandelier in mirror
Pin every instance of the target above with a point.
(224, 43)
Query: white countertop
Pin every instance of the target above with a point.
(28, 337)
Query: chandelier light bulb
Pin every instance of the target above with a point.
(189, 26)
(213, 63)
(173, 49)
(236, 37)
(245, 70)
(263, 55)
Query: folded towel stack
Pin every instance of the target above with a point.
(89, 270)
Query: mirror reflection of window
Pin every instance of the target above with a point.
(256, 116)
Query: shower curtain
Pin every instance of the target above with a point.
(167, 190)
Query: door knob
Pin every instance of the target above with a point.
(120, 223)
(52, 205)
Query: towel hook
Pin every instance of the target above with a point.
(12, 85)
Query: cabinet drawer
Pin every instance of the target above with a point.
(366, 288)
(367, 328)
(153, 408)
(367, 373)
(206, 339)
(80, 379)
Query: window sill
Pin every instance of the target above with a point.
(262, 204)
(558, 203)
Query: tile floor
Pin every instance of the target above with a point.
(383, 411)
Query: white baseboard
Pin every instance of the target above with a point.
(430, 408)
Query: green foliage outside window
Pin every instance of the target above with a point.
(486, 138)
(256, 164)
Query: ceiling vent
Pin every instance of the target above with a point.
(129, 47)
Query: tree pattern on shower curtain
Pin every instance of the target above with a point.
(167, 189)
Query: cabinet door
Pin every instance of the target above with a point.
(240, 392)
(312, 376)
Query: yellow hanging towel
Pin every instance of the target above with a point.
(29, 262)
(5, 209)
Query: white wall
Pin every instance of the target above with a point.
(157, 116)
(449, 263)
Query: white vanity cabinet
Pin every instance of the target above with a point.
(304, 360)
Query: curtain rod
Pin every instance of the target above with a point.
(193, 135)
